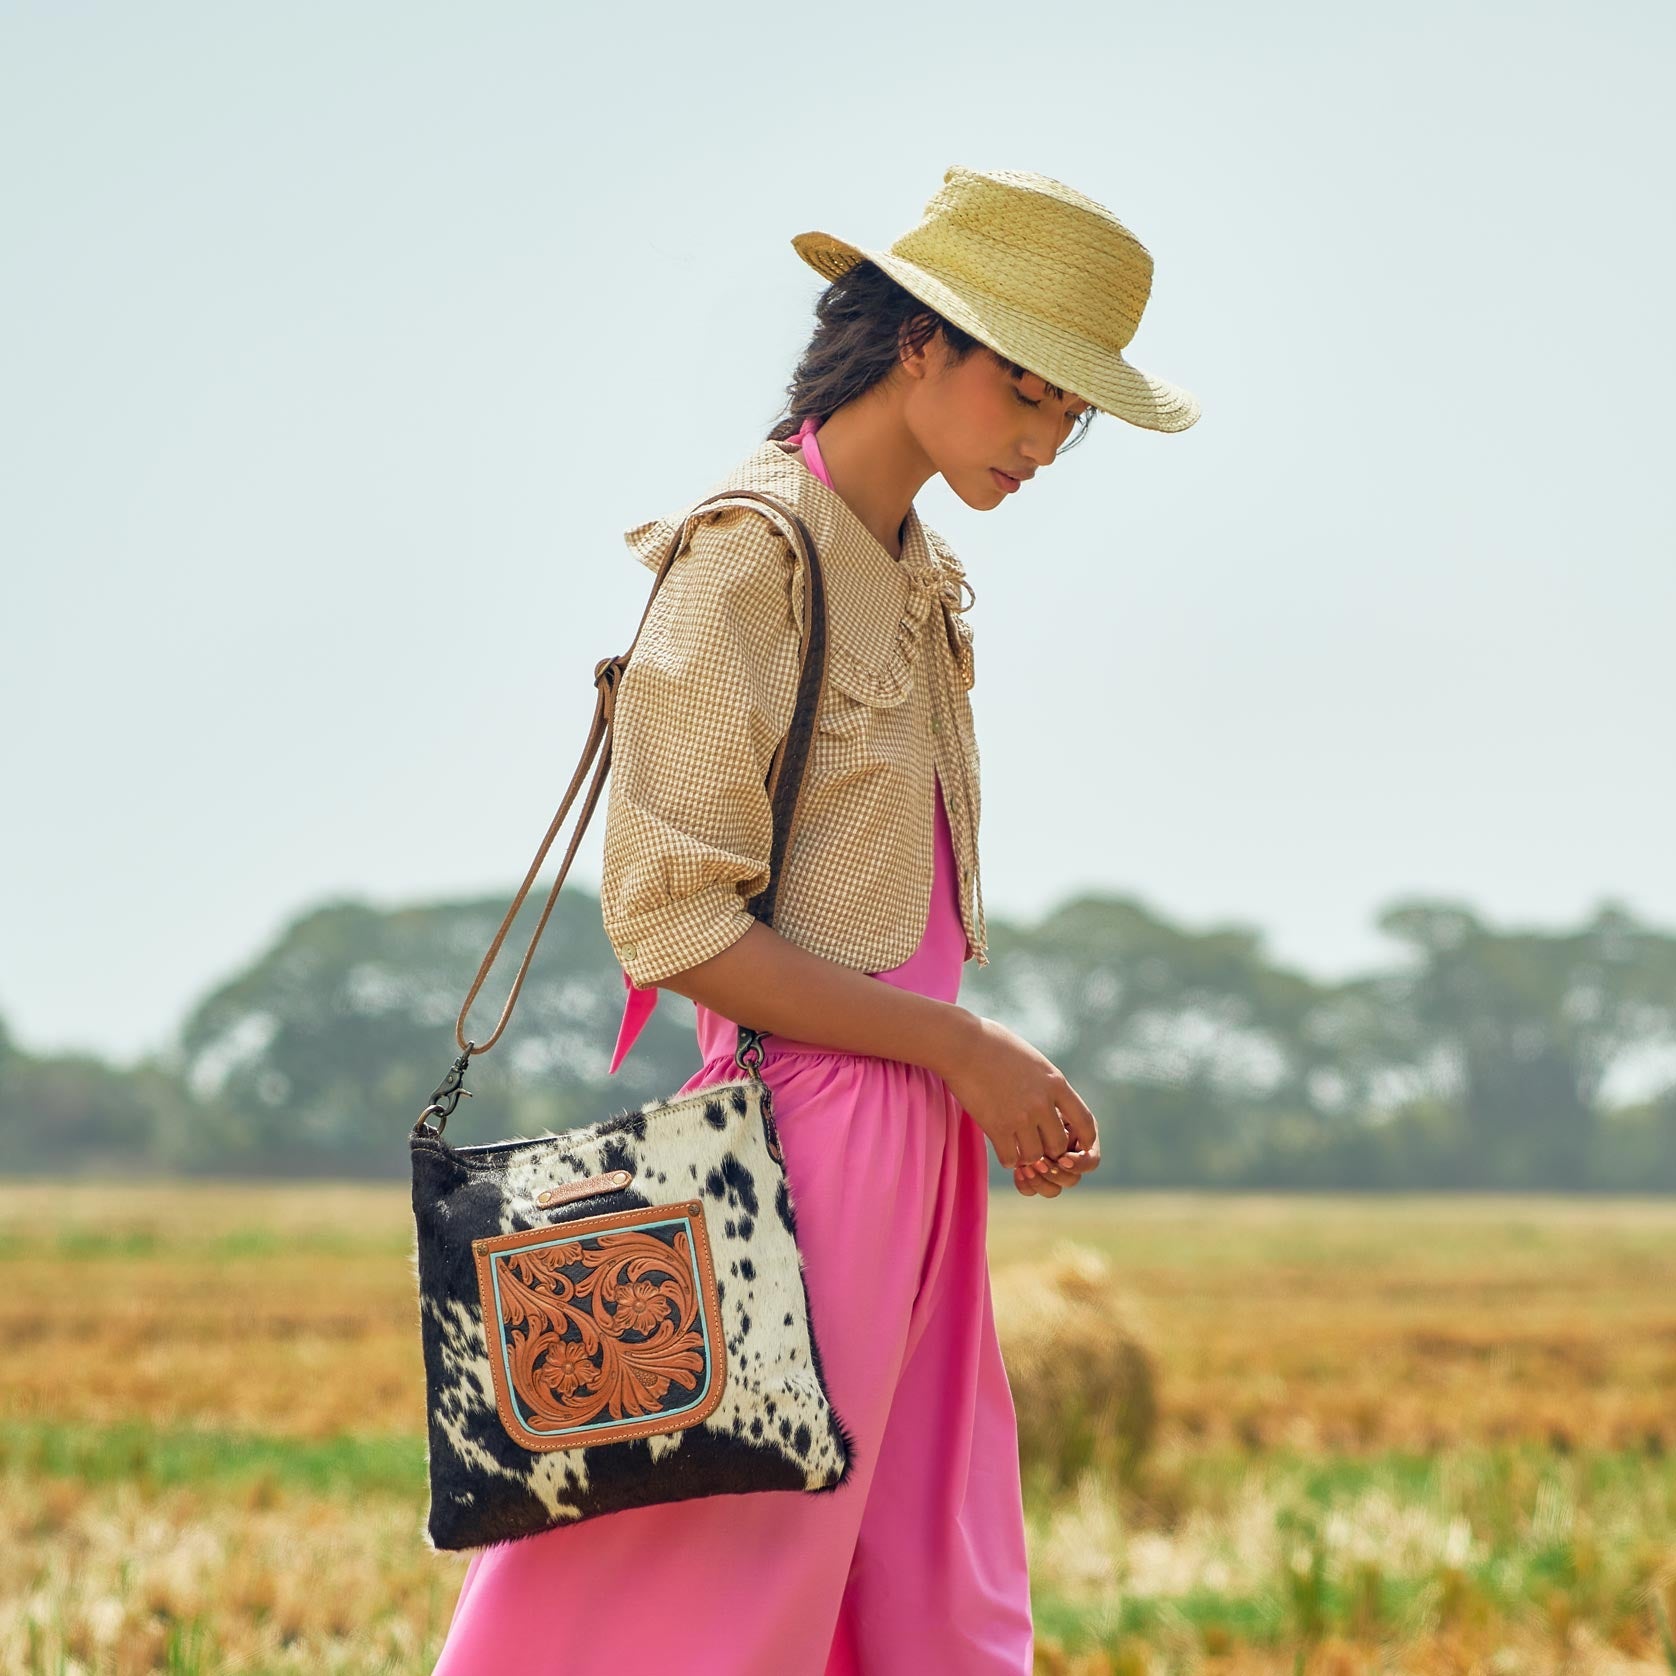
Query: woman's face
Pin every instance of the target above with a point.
(975, 418)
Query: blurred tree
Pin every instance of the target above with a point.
(1487, 1058)
(329, 1044)
(1197, 1045)
(1523, 1028)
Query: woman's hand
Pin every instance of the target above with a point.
(1024, 1104)
(1048, 1178)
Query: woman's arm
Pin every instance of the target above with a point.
(768, 982)
(704, 700)
(1014, 1093)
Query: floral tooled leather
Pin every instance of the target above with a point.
(603, 1328)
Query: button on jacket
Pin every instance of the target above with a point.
(706, 697)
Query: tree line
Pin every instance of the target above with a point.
(1483, 1057)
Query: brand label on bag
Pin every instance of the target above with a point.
(601, 1328)
(611, 1182)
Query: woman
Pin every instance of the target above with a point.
(974, 348)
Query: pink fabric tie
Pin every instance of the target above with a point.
(640, 1003)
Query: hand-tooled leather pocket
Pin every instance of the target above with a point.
(601, 1328)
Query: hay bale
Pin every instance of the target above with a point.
(1084, 1380)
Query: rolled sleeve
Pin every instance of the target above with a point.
(703, 702)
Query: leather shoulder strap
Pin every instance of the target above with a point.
(785, 775)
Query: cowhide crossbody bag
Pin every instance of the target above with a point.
(617, 1314)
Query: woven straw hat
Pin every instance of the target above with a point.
(1044, 276)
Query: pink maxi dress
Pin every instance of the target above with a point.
(917, 1566)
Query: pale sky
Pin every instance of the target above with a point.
(341, 343)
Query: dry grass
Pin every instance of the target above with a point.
(122, 1579)
(1263, 1518)
(1340, 1324)
(1083, 1377)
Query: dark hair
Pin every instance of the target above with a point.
(862, 319)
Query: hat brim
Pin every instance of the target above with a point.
(1078, 365)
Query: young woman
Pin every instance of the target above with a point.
(975, 348)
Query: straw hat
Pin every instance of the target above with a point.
(1044, 276)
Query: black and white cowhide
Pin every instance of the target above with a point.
(672, 1306)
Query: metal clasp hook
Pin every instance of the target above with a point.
(446, 1096)
(748, 1054)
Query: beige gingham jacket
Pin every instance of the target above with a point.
(707, 695)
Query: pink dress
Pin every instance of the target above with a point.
(918, 1562)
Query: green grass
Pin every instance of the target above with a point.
(1549, 1538)
(164, 1458)
(102, 1244)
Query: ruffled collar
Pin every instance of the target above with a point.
(877, 606)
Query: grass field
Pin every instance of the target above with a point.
(1410, 1435)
